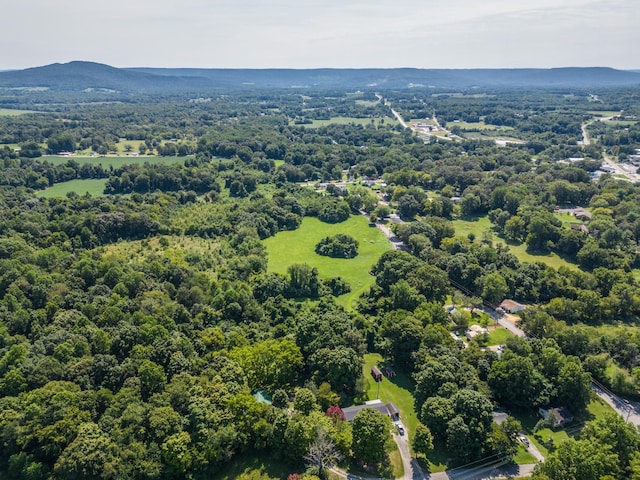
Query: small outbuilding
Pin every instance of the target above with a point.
(376, 373)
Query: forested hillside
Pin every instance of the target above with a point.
(144, 333)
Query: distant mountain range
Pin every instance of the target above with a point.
(88, 76)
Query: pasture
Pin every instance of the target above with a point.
(94, 187)
(298, 246)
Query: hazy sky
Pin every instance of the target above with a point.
(322, 33)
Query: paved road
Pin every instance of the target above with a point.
(629, 410)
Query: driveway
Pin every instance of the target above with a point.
(412, 470)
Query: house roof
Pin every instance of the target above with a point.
(384, 408)
(511, 305)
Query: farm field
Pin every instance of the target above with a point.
(94, 187)
(298, 246)
(112, 161)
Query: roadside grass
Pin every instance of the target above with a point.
(92, 186)
(298, 246)
(481, 226)
(256, 465)
(523, 457)
(113, 161)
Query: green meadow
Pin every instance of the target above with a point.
(112, 161)
(298, 246)
(95, 187)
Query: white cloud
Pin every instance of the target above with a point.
(316, 33)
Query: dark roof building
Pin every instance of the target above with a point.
(385, 408)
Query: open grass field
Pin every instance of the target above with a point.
(298, 246)
(479, 225)
(9, 112)
(112, 161)
(348, 120)
(94, 187)
(477, 126)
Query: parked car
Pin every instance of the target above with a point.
(524, 440)
(400, 429)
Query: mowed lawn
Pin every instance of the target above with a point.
(95, 187)
(298, 246)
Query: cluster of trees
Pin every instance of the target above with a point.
(338, 246)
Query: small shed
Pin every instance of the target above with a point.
(376, 373)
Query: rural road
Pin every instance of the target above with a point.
(607, 162)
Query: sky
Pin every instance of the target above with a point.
(322, 33)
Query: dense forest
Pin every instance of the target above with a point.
(142, 328)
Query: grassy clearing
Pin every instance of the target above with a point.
(113, 161)
(287, 248)
(348, 120)
(476, 126)
(10, 112)
(499, 336)
(180, 250)
(480, 226)
(94, 187)
(256, 466)
(367, 103)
